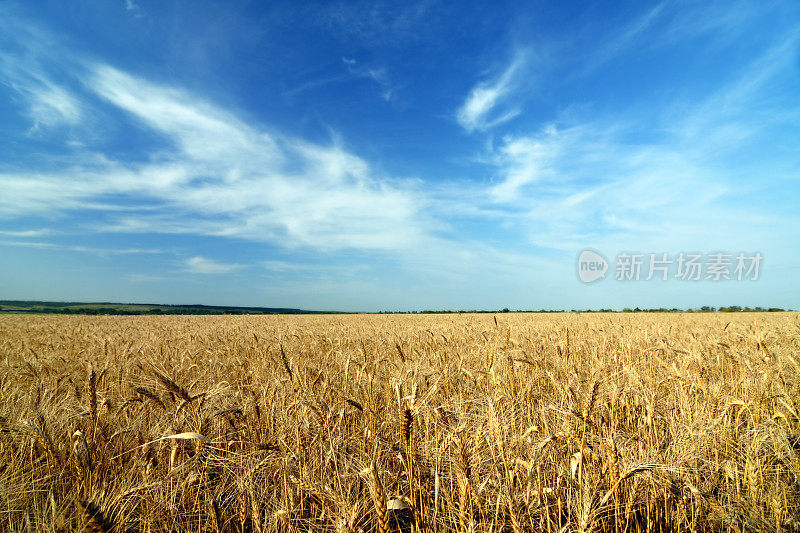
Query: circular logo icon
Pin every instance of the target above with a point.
(592, 266)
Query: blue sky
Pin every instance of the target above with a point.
(374, 156)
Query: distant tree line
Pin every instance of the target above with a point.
(704, 309)
(116, 311)
(104, 308)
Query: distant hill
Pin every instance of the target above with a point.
(111, 308)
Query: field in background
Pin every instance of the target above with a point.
(513, 422)
(112, 308)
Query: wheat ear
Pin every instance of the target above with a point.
(93, 518)
(378, 498)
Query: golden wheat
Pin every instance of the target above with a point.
(558, 422)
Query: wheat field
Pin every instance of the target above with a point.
(508, 422)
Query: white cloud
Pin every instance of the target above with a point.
(26, 233)
(80, 249)
(378, 23)
(625, 38)
(476, 113)
(523, 160)
(201, 265)
(282, 266)
(670, 176)
(201, 131)
(223, 177)
(670, 23)
(51, 105)
(378, 75)
(26, 68)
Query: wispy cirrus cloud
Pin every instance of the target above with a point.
(478, 110)
(378, 75)
(525, 160)
(26, 233)
(592, 177)
(706, 25)
(626, 37)
(202, 265)
(48, 103)
(221, 176)
(353, 70)
(94, 250)
(377, 22)
(212, 173)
